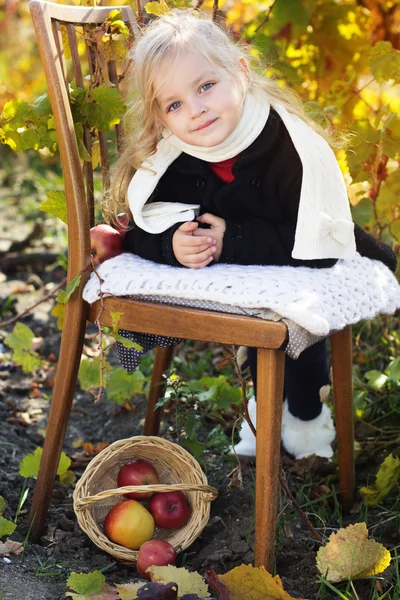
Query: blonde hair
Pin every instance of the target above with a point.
(176, 33)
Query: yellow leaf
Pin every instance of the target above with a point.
(349, 554)
(187, 582)
(68, 478)
(253, 583)
(128, 591)
(157, 8)
(386, 479)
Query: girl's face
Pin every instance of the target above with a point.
(198, 102)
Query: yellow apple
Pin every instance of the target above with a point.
(129, 524)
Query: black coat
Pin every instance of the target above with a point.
(260, 206)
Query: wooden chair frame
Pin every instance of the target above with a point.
(268, 337)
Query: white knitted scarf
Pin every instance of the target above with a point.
(324, 225)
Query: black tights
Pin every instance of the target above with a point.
(304, 378)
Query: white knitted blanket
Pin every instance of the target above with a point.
(320, 300)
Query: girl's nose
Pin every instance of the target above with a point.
(196, 108)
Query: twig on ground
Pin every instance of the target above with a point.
(30, 308)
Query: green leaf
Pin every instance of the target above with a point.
(20, 338)
(6, 527)
(157, 8)
(121, 386)
(127, 343)
(195, 447)
(3, 505)
(29, 465)
(86, 584)
(384, 62)
(220, 392)
(83, 152)
(362, 154)
(89, 373)
(390, 137)
(58, 311)
(393, 369)
(65, 295)
(386, 479)
(28, 361)
(376, 379)
(42, 106)
(55, 204)
(363, 212)
(105, 108)
(15, 113)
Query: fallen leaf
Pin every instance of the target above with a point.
(386, 479)
(9, 547)
(128, 591)
(216, 584)
(349, 554)
(187, 582)
(158, 591)
(235, 479)
(253, 583)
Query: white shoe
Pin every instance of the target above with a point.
(246, 448)
(303, 438)
(300, 438)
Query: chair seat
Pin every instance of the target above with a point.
(319, 300)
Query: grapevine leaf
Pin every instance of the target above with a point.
(157, 8)
(86, 583)
(83, 152)
(121, 386)
(158, 591)
(65, 295)
(20, 338)
(9, 547)
(386, 479)
(68, 478)
(390, 138)
(349, 555)
(29, 465)
(384, 62)
(55, 204)
(187, 582)
(15, 112)
(6, 527)
(105, 108)
(393, 369)
(89, 373)
(127, 343)
(58, 311)
(28, 361)
(128, 591)
(42, 107)
(253, 583)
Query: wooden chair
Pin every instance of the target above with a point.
(269, 337)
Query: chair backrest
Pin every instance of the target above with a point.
(58, 28)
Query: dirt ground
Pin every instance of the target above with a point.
(40, 573)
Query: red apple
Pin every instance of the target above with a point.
(105, 242)
(155, 552)
(170, 509)
(138, 472)
(129, 524)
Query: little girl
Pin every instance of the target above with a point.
(224, 166)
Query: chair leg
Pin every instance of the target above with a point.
(343, 396)
(63, 393)
(270, 375)
(162, 362)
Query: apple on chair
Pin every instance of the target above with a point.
(107, 241)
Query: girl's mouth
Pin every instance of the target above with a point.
(206, 124)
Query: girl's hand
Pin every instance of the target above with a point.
(217, 230)
(193, 251)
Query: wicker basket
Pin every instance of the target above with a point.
(96, 491)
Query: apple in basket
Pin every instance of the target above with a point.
(129, 524)
(105, 242)
(138, 472)
(170, 509)
(155, 552)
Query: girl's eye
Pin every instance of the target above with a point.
(174, 106)
(206, 86)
